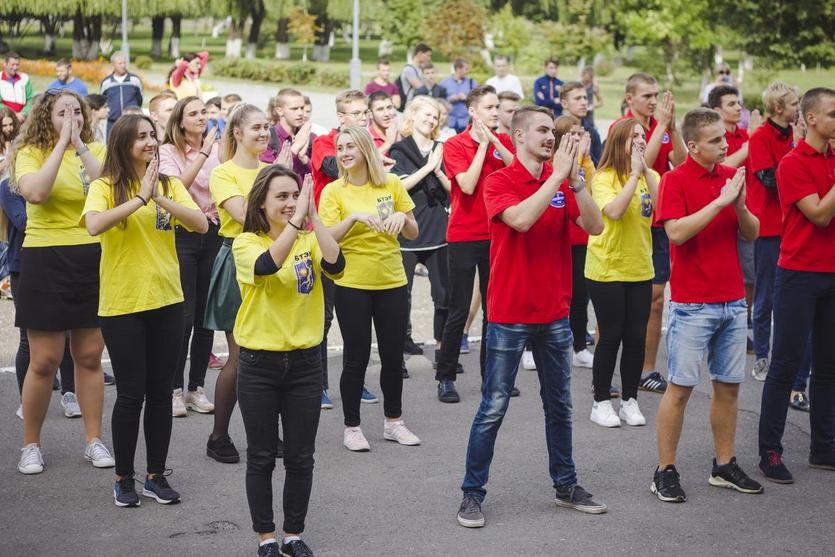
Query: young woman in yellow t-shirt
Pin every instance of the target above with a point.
(280, 258)
(134, 209)
(619, 269)
(245, 137)
(365, 210)
(54, 163)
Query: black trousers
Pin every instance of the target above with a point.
(196, 253)
(578, 318)
(622, 310)
(143, 348)
(286, 384)
(465, 259)
(436, 263)
(21, 360)
(355, 310)
(328, 290)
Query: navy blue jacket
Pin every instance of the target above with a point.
(15, 208)
(121, 95)
(546, 92)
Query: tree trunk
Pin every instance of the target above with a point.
(233, 40)
(50, 29)
(79, 41)
(258, 14)
(174, 42)
(282, 39)
(157, 32)
(94, 34)
(321, 46)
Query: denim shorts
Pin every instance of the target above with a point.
(718, 331)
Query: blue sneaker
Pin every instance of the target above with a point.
(158, 488)
(327, 403)
(368, 397)
(124, 493)
(465, 345)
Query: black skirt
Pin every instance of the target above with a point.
(59, 288)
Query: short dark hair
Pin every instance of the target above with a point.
(552, 60)
(63, 62)
(428, 66)
(635, 79)
(812, 99)
(714, 98)
(422, 47)
(377, 96)
(214, 101)
(95, 101)
(695, 120)
(459, 63)
(382, 61)
(509, 96)
(475, 94)
(11, 55)
(232, 98)
(522, 116)
(569, 87)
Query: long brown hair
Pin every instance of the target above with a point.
(237, 119)
(255, 219)
(174, 132)
(118, 164)
(6, 112)
(563, 125)
(615, 154)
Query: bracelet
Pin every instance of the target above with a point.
(144, 201)
(581, 185)
(83, 150)
(293, 225)
(204, 154)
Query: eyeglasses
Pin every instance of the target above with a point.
(54, 91)
(356, 113)
(724, 72)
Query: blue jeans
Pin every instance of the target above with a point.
(551, 345)
(766, 252)
(804, 302)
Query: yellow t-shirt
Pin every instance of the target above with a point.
(55, 221)
(624, 251)
(229, 180)
(372, 259)
(283, 311)
(139, 267)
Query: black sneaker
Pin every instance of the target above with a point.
(124, 493)
(731, 476)
(412, 348)
(514, 392)
(653, 382)
(825, 461)
(269, 550)
(577, 498)
(447, 392)
(459, 368)
(295, 548)
(223, 450)
(109, 379)
(666, 485)
(404, 373)
(469, 513)
(158, 488)
(772, 467)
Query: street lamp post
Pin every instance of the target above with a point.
(356, 63)
(125, 45)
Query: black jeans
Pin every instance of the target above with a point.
(143, 348)
(196, 253)
(804, 302)
(272, 384)
(327, 289)
(578, 317)
(355, 310)
(21, 360)
(465, 259)
(436, 263)
(622, 310)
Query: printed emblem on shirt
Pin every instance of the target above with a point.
(558, 201)
(163, 218)
(496, 154)
(85, 180)
(305, 277)
(646, 204)
(666, 138)
(385, 207)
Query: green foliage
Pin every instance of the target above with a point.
(333, 78)
(604, 68)
(143, 62)
(301, 73)
(512, 33)
(403, 20)
(568, 42)
(297, 73)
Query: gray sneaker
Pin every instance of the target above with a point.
(760, 370)
(577, 498)
(70, 405)
(469, 514)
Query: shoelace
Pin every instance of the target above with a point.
(669, 479)
(160, 480)
(577, 493)
(300, 549)
(128, 484)
(31, 455)
(98, 450)
(471, 505)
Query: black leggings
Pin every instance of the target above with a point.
(622, 310)
(197, 253)
(578, 317)
(143, 348)
(436, 263)
(272, 384)
(355, 310)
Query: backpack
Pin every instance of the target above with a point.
(401, 88)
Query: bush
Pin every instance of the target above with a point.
(604, 67)
(143, 62)
(88, 71)
(332, 78)
(301, 73)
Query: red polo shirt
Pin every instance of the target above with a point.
(705, 269)
(378, 139)
(530, 272)
(767, 146)
(805, 246)
(323, 146)
(468, 217)
(736, 139)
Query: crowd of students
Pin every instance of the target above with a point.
(248, 222)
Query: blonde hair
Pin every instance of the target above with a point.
(373, 161)
(237, 118)
(409, 116)
(345, 97)
(774, 96)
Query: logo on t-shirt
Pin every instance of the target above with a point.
(85, 180)
(305, 277)
(496, 154)
(385, 207)
(163, 219)
(558, 201)
(666, 138)
(646, 204)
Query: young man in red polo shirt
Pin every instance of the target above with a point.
(531, 204)
(664, 150)
(469, 158)
(383, 124)
(702, 206)
(767, 146)
(804, 294)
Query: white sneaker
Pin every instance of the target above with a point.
(198, 401)
(178, 406)
(527, 360)
(19, 412)
(31, 460)
(760, 370)
(98, 454)
(583, 358)
(630, 413)
(354, 440)
(603, 414)
(397, 431)
(70, 404)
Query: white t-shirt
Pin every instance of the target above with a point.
(507, 83)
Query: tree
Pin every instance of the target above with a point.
(403, 21)
(457, 29)
(302, 26)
